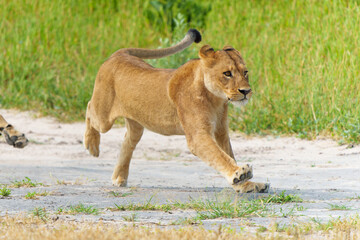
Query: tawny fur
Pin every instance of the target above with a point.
(191, 100)
(11, 135)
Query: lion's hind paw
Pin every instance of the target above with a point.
(252, 187)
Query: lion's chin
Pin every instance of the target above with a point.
(240, 103)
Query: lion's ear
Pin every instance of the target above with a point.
(228, 48)
(206, 52)
(232, 50)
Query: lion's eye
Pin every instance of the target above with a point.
(227, 74)
(245, 73)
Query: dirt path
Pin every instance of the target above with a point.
(321, 172)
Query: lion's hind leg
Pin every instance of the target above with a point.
(132, 137)
(12, 136)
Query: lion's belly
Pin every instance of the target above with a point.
(163, 120)
(148, 104)
(165, 129)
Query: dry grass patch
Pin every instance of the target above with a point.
(22, 227)
(34, 228)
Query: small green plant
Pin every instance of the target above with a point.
(31, 195)
(27, 182)
(282, 198)
(34, 195)
(5, 192)
(356, 197)
(339, 207)
(118, 194)
(131, 218)
(320, 226)
(78, 209)
(40, 213)
(261, 229)
(277, 227)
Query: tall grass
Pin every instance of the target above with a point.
(53, 49)
(303, 56)
(304, 62)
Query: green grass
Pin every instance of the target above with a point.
(27, 182)
(41, 213)
(303, 56)
(119, 194)
(79, 209)
(338, 207)
(223, 206)
(35, 195)
(5, 192)
(282, 198)
(356, 197)
(130, 218)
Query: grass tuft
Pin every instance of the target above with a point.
(283, 198)
(79, 209)
(35, 195)
(119, 194)
(5, 192)
(27, 183)
(40, 213)
(339, 207)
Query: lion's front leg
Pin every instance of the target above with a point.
(205, 147)
(223, 140)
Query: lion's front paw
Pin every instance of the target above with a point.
(13, 137)
(243, 174)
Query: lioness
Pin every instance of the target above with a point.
(191, 100)
(12, 136)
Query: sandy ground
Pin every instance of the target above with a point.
(321, 172)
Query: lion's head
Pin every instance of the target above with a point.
(225, 74)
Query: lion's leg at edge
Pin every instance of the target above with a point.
(3, 122)
(91, 136)
(11, 135)
(132, 137)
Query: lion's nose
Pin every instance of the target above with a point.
(245, 91)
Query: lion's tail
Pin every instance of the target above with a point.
(192, 35)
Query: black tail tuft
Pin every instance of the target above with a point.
(195, 34)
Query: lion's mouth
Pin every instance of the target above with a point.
(239, 102)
